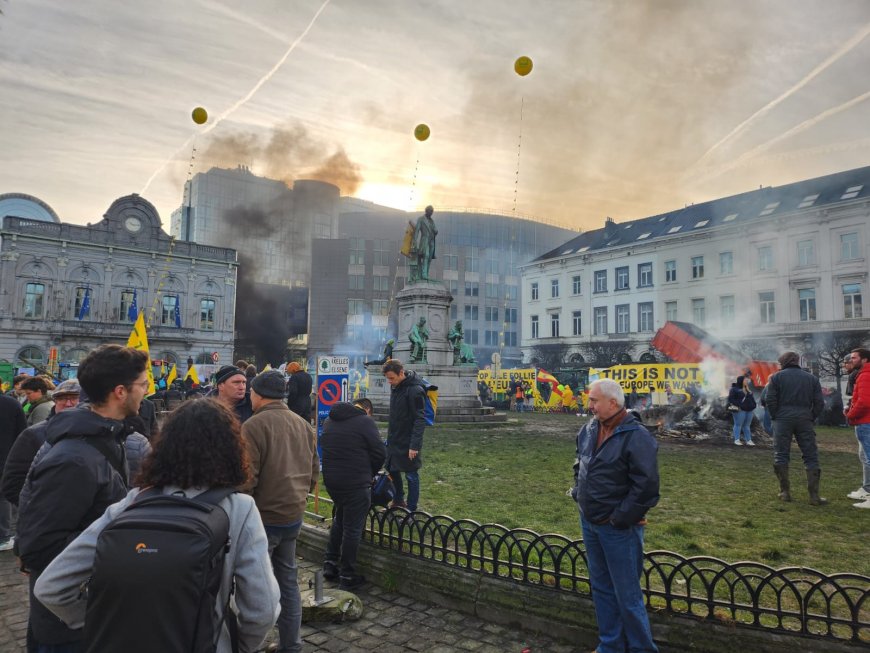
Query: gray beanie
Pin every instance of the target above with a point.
(269, 385)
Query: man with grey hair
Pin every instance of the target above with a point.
(794, 400)
(616, 483)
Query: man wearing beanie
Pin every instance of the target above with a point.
(284, 469)
(794, 400)
(231, 387)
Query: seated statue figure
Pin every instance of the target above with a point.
(462, 353)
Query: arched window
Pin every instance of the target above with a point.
(577, 359)
(75, 355)
(624, 358)
(647, 357)
(204, 358)
(169, 357)
(30, 357)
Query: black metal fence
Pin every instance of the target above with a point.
(794, 600)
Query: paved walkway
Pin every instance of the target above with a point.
(391, 623)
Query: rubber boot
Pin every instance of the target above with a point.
(781, 472)
(813, 477)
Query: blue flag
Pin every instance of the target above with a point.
(177, 313)
(133, 311)
(86, 305)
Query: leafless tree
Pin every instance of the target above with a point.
(604, 353)
(550, 356)
(830, 349)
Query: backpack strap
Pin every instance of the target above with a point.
(114, 455)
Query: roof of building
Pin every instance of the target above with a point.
(736, 209)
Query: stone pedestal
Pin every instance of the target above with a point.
(429, 299)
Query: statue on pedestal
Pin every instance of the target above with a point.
(419, 246)
(463, 354)
(388, 354)
(418, 336)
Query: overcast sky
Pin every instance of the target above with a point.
(633, 107)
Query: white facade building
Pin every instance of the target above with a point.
(773, 266)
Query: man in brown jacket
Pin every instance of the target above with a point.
(284, 469)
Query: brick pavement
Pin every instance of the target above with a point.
(391, 623)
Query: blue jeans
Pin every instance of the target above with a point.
(413, 487)
(615, 560)
(282, 551)
(862, 432)
(350, 509)
(742, 420)
(804, 435)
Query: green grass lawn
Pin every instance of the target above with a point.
(716, 500)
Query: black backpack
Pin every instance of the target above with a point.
(157, 575)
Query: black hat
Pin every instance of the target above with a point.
(269, 385)
(226, 372)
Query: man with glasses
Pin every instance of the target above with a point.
(78, 477)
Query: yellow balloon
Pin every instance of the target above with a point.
(421, 132)
(199, 115)
(523, 66)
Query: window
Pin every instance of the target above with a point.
(670, 271)
(511, 292)
(472, 262)
(534, 289)
(357, 251)
(491, 313)
(510, 338)
(451, 262)
(454, 311)
(622, 318)
(770, 208)
(492, 291)
(765, 258)
(554, 325)
(381, 283)
(356, 307)
(81, 293)
(807, 304)
(453, 286)
(471, 312)
(768, 307)
(127, 297)
(809, 200)
(852, 300)
(491, 339)
(554, 287)
(670, 311)
(34, 300)
(380, 307)
(726, 263)
(849, 246)
(622, 278)
(576, 286)
(697, 267)
(356, 281)
(534, 326)
(806, 252)
(206, 314)
(726, 310)
(674, 230)
(699, 312)
(851, 192)
(701, 223)
(600, 320)
(471, 336)
(644, 275)
(601, 281)
(472, 289)
(492, 266)
(167, 313)
(510, 316)
(577, 323)
(645, 316)
(382, 252)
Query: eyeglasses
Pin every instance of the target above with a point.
(68, 399)
(141, 384)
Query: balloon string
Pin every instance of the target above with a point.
(414, 183)
(519, 148)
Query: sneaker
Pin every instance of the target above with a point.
(750, 443)
(330, 570)
(863, 504)
(351, 582)
(7, 544)
(399, 504)
(738, 443)
(860, 494)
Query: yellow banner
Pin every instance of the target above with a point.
(500, 383)
(657, 377)
(139, 340)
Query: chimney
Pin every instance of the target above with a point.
(609, 226)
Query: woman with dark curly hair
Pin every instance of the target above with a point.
(199, 448)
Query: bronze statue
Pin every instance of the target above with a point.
(418, 336)
(420, 247)
(463, 354)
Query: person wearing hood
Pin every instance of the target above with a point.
(740, 396)
(352, 453)
(299, 391)
(794, 399)
(405, 432)
(82, 474)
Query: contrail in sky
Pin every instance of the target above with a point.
(846, 47)
(227, 113)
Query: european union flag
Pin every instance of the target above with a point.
(177, 313)
(85, 308)
(133, 311)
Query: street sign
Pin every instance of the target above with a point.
(333, 365)
(332, 386)
(215, 357)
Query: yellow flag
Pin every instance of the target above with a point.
(191, 374)
(267, 368)
(139, 340)
(162, 369)
(173, 374)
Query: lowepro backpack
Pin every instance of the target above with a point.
(157, 575)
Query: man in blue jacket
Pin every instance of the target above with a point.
(617, 482)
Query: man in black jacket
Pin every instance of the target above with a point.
(299, 391)
(794, 400)
(12, 423)
(81, 475)
(351, 454)
(405, 433)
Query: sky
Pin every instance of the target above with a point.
(632, 107)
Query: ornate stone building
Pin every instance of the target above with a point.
(66, 288)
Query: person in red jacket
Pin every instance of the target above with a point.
(858, 415)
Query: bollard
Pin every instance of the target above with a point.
(318, 587)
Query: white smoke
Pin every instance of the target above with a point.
(715, 377)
